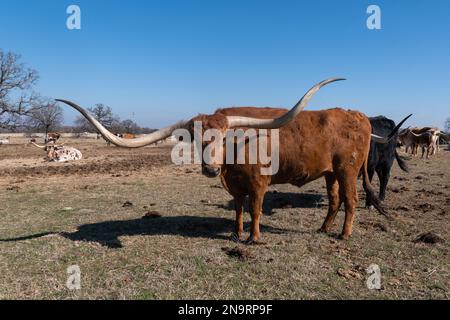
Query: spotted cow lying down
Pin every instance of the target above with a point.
(60, 153)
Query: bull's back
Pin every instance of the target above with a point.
(315, 141)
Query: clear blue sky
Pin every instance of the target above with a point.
(169, 60)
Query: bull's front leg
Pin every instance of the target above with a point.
(239, 223)
(256, 202)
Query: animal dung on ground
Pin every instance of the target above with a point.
(425, 207)
(238, 253)
(402, 208)
(152, 215)
(127, 204)
(376, 225)
(380, 227)
(430, 238)
(394, 190)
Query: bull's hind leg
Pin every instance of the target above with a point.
(347, 185)
(334, 202)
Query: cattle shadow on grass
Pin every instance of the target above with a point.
(107, 233)
(282, 200)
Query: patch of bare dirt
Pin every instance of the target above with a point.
(23, 161)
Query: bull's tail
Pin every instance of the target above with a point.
(401, 162)
(368, 188)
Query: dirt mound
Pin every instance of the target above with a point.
(238, 253)
(430, 238)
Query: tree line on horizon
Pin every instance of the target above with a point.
(22, 109)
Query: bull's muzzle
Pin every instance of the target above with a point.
(210, 171)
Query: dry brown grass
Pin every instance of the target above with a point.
(56, 215)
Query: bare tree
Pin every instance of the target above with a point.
(47, 117)
(16, 84)
(129, 126)
(447, 125)
(102, 113)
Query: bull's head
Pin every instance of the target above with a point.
(50, 149)
(215, 121)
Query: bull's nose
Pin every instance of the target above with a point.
(210, 171)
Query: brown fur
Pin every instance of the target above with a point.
(128, 136)
(333, 144)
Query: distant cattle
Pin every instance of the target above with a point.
(5, 141)
(123, 136)
(60, 153)
(381, 156)
(410, 142)
(435, 136)
(426, 139)
(126, 135)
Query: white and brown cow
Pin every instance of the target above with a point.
(60, 153)
(5, 140)
(410, 138)
(436, 132)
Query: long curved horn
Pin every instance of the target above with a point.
(385, 140)
(236, 121)
(417, 134)
(127, 143)
(36, 145)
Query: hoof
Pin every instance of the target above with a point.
(252, 241)
(322, 230)
(235, 237)
(344, 237)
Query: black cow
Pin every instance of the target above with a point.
(381, 156)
